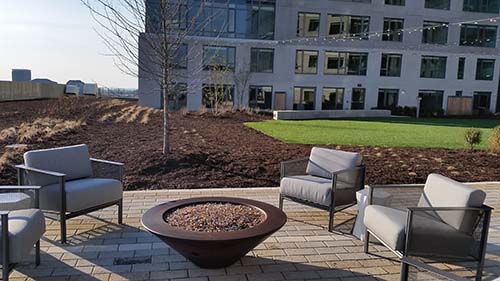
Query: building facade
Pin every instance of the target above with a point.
(341, 54)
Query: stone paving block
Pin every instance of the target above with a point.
(135, 276)
(134, 247)
(278, 267)
(182, 265)
(245, 269)
(239, 277)
(197, 272)
(294, 275)
(272, 276)
(191, 279)
(169, 274)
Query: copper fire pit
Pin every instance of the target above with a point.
(213, 249)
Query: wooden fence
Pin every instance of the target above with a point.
(459, 106)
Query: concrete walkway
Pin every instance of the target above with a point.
(302, 250)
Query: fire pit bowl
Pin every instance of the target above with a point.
(213, 249)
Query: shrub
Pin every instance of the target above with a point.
(494, 139)
(401, 111)
(472, 137)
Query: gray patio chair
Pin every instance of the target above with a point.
(449, 223)
(21, 229)
(328, 179)
(73, 184)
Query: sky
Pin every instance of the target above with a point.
(56, 40)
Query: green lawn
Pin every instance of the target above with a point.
(394, 132)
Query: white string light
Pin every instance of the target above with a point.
(364, 36)
(368, 35)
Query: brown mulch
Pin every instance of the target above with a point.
(210, 152)
(214, 217)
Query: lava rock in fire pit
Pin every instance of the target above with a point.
(215, 217)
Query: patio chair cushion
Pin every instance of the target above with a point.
(388, 224)
(316, 189)
(440, 191)
(430, 235)
(322, 161)
(73, 161)
(81, 194)
(25, 229)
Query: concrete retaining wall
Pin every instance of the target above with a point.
(12, 91)
(327, 114)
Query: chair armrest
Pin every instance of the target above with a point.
(107, 169)
(294, 167)
(403, 196)
(40, 171)
(106, 162)
(20, 187)
(483, 208)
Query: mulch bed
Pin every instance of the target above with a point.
(214, 152)
(214, 217)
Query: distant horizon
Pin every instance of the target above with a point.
(56, 40)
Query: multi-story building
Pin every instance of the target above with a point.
(344, 54)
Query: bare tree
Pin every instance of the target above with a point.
(216, 93)
(148, 36)
(241, 79)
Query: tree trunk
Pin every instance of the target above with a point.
(166, 135)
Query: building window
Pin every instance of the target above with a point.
(438, 4)
(461, 68)
(395, 2)
(256, 20)
(260, 97)
(485, 69)
(391, 65)
(435, 32)
(481, 6)
(344, 63)
(308, 25)
(217, 94)
(253, 19)
(261, 60)
(358, 98)
(481, 102)
(306, 62)
(392, 30)
(181, 57)
(433, 67)
(431, 102)
(478, 35)
(333, 98)
(178, 97)
(348, 26)
(303, 98)
(219, 58)
(387, 98)
(458, 93)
